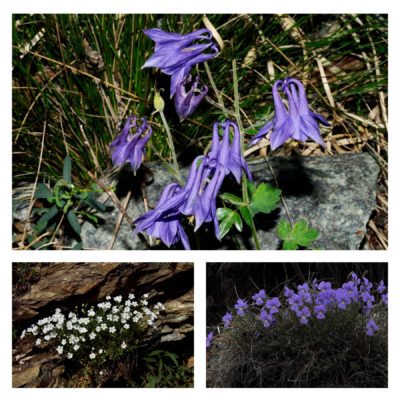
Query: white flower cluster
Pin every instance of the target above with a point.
(72, 334)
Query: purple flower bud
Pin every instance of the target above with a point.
(209, 339)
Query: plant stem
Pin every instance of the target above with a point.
(172, 147)
(241, 130)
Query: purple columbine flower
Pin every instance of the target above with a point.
(342, 298)
(273, 305)
(295, 301)
(229, 157)
(175, 54)
(226, 318)
(259, 298)
(371, 327)
(266, 318)
(288, 293)
(165, 225)
(241, 306)
(209, 339)
(385, 298)
(324, 286)
(130, 147)
(320, 311)
(303, 314)
(381, 288)
(186, 102)
(299, 124)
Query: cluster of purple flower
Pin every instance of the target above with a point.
(323, 299)
(198, 197)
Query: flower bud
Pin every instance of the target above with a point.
(158, 101)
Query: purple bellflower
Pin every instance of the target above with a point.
(229, 157)
(295, 301)
(320, 311)
(303, 314)
(381, 288)
(209, 339)
(266, 318)
(165, 226)
(175, 54)
(273, 305)
(226, 318)
(241, 306)
(259, 297)
(371, 327)
(130, 147)
(342, 298)
(385, 298)
(299, 124)
(187, 102)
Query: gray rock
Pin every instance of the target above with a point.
(334, 194)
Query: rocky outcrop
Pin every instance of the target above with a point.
(66, 285)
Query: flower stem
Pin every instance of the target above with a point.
(241, 130)
(172, 147)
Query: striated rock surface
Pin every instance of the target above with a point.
(334, 194)
(66, 285)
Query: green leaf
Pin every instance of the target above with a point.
(67, 206)
(265, 199)
(155, 352)
(173, 358)
(251, 189)
(67, 169)
(78, 246)
(39, 210)
(84, 195)
(74, 221)
(42, 192)
(39, 228)
(49, 215)
(231, 198)
(237, 221)
(289, 245)
(284, 229)
(222, 213)
(94, 186)
(245, 211)
(149, 359)
(151, 380)
(91, 216)
(95, 204)
(226, 224)
(302, 236)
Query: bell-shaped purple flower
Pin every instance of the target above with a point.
(299, 124)
(165, 225)
(229, 155)
(130, 147)
(175, 54)
(186, 102)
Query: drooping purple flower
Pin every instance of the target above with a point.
(259, 297)
(324, 286)
(320, 311)
(295, 301)
(166, 225)
(186, 102)
(342, 298)
(385, 298)
(130, 147)
(229, 157)
(288, 293)
(273, 305)
(381, 288)
(368, 284)
(371, 327)
(226, 318)
(314, 284)
(241, 306)
(356, 279)
(209, 339)
(303, 314)
(175, 54)
(299, 124)
(266, 318)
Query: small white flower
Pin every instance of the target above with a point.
(23, 334)
(144, 302)
(115, 318)
(101, 372)
(38, 342)
(126, 326)
(82, 339)
(47, 337)
(146, 296)
(98, 329)
(134, 304)
(92, 356)
(91, 313)
(103, 326)
(118, 299)
(92, 335)
(123, 345)
(108, 297)
(76, 347)
(112, 329)
(99, 319)
(100, 351)
(69, 355)
(131, 296)
(60, 349)
(63, 342)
